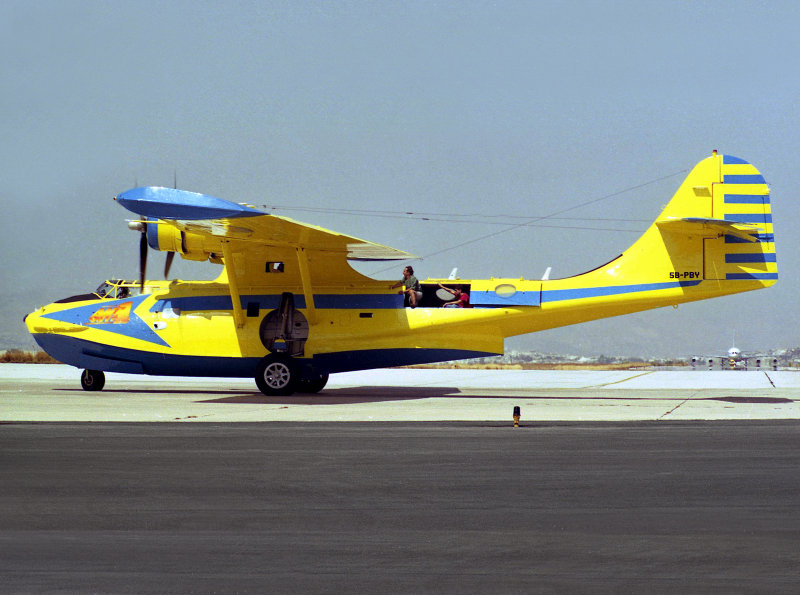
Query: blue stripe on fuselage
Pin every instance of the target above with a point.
(558, 295)
(490, 299)
(392, 301)
(270, 302)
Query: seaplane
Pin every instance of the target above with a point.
(288, 309)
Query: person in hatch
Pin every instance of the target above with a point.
(410, 286)
(461, 299)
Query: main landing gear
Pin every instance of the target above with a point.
(93, 380)
(280, 375)
(284, 332)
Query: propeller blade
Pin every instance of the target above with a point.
(142, 257)
(168, 264)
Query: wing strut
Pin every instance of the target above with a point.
(238, 313)
(308, 292)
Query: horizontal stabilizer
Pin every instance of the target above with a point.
(700, 226)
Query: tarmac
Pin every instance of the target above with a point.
(631, 481)
(53, 393)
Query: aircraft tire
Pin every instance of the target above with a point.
(93, 380)
(312, 385)
(276, 375)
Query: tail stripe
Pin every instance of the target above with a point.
(757, 257)
(749, 217)
(761, 237)
(730, 160)
(750, 276)
(744, 179)
(747, 199)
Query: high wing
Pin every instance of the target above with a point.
(179, 213)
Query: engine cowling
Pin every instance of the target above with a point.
(167, 238)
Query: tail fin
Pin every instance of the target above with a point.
(714, 237)
(724, 202)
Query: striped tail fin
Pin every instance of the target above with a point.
(724, 202)
(713, 238)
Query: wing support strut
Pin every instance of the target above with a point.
(305, 278)
(233, 286)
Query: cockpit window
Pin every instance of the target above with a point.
(117, 289)
(104, 289)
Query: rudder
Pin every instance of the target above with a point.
(742, 198)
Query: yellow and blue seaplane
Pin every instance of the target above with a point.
(288, 309)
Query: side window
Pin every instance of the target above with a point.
(274, 267)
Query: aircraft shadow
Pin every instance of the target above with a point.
(376, 394)
(342, 396)
(152, 391)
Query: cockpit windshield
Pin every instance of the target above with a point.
(117, 289)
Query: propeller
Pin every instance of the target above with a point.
(171, 255)
(168, 263)
(142, 256)
(141, 227)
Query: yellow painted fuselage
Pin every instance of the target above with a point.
(714, 238)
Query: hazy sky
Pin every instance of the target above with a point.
(498, 111)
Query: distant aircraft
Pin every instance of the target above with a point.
(735, 359)
(288, 309)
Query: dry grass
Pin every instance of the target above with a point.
(18, 356)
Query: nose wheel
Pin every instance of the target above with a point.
(93, 380)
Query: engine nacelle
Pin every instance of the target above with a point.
(169, 239)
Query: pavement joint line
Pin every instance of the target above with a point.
(678, 405)
(619, 381)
